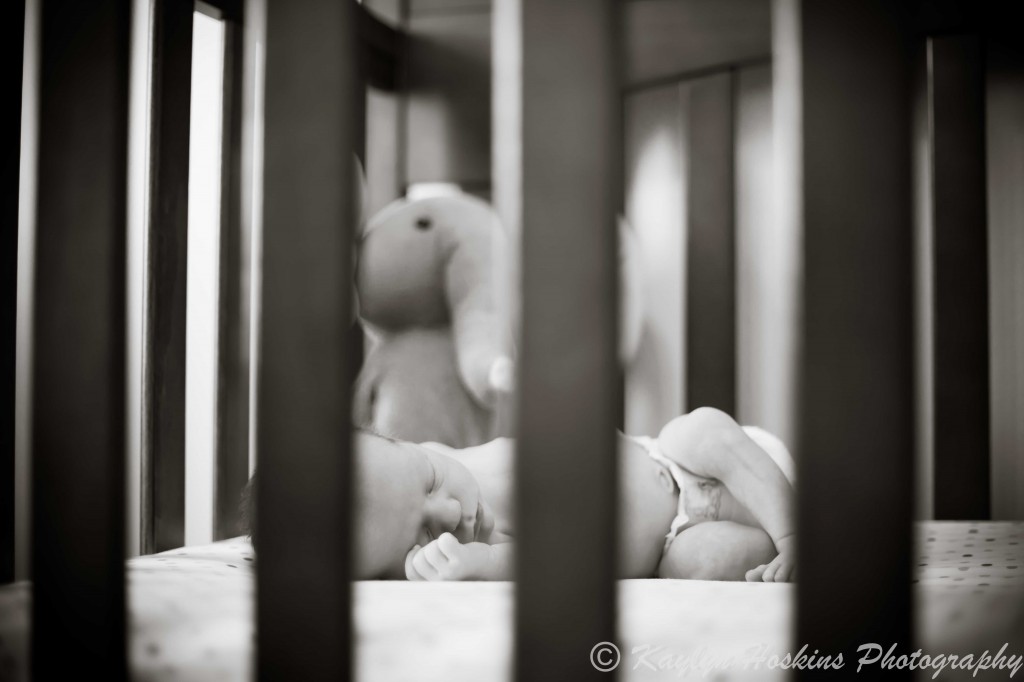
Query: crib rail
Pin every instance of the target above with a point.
(233, 332)
(13, 42)
(853, 211)
(78, 424)
(303, 435)
(569, 394)
(163, 435)
(955, 104)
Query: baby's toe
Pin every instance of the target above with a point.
(754, 575)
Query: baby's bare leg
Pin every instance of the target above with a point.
(716, 550)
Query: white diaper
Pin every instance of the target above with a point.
(682, 518)
(767, 442)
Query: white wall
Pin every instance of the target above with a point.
(655, 164)
(766, 268)
(204, 223)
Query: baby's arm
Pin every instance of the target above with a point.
(447, 559)
(708, 442)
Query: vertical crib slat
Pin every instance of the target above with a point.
(711, 246)
(569, 391)
(10, 156)
(845, 118)
(78, 436)
(232, 470)
(303, 434)
(163, 439)
(956, 103)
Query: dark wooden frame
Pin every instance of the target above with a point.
(232, 467)
(960, 310)
(856, 337)
(569, 400)
(10, 156)
(304, 371)
(382, 51)
(163, 432)
(78, 420)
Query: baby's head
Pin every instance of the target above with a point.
(405, 495)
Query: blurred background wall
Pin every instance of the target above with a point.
(703, 184)
(440, 130)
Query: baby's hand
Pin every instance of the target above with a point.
(782, 568)
(447, 559)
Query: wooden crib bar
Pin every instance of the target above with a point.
(234, 324)
(303, 435)
(845, 125)
(569, 391)
(13, 42)
(959, 255)
(163, 414)
(78, 424)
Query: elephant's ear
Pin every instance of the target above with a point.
(477, 256)
(364, 394)
(631, 295)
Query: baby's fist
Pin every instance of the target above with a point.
(447, 559)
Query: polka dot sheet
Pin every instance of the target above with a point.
(970, 587)
(987, 556)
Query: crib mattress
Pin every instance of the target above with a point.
(190, 616)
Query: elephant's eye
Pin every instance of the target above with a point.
(423, 223)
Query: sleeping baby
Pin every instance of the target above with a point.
(706, 499)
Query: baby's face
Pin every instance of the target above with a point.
(408, 495)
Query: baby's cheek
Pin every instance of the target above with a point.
(375, 557)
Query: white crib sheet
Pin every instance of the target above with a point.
(191, 615)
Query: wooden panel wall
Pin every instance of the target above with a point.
(78, 427)
(711, 244)
(447, 128)
(852, 204)
(385, 125)
(655, 172)
(305, 374)
(684, 178)
(568, 401)
(665, 40)
(767, 257)
(700, 193)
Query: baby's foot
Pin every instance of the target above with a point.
(756, 575)
(780, 570)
